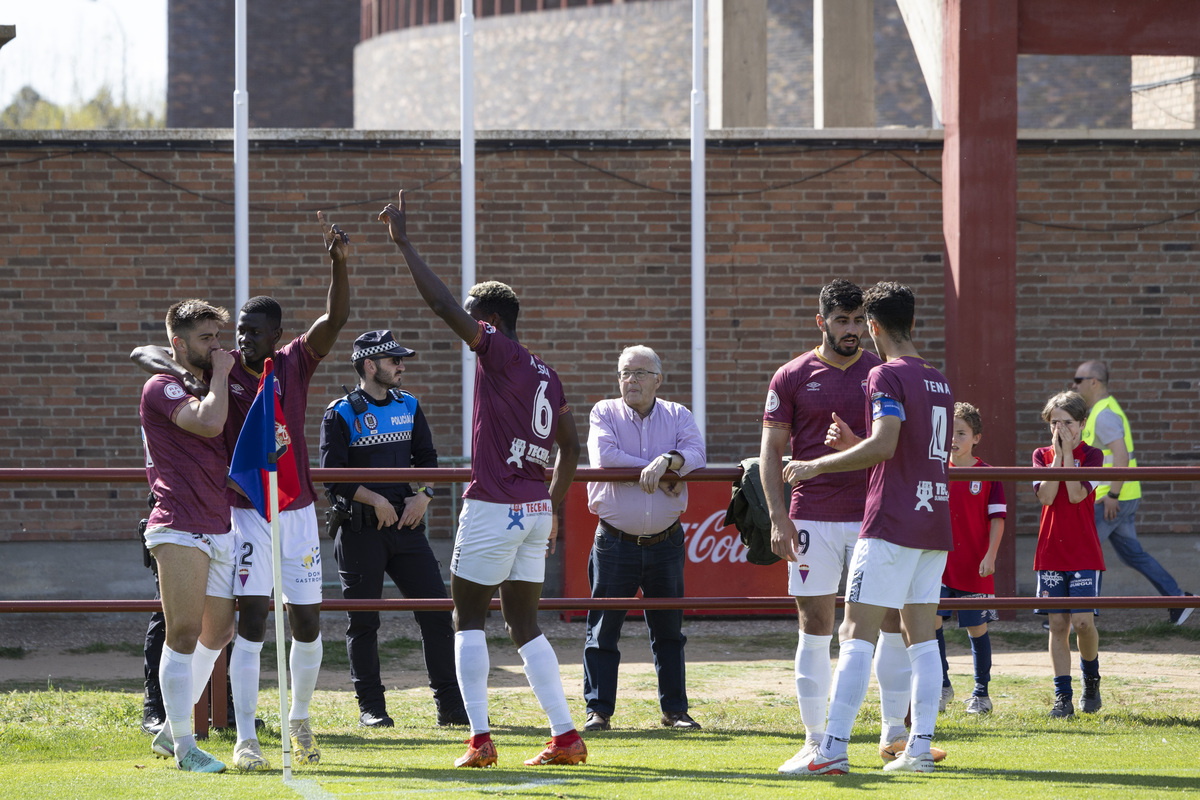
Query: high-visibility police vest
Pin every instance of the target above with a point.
(1131, 490)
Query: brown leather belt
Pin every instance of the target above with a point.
(640, 541)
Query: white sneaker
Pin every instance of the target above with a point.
(906, 763)
(947, 696)
(814, 764)
(248, 757)
(799, 762)
(979, 705)
(162, 745)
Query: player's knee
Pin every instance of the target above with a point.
(251, 627)
(306, 626)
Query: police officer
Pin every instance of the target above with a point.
(382, 528)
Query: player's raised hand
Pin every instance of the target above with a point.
(397, 221)
(839, 436)
(336, 241)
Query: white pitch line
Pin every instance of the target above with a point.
(309, 789)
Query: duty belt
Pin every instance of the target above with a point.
(640, 541)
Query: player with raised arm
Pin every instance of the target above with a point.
(508, 516)
(259, 330)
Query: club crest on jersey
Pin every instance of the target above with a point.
(803, 570)
(864, 386)
(370, 421)
(772, 401)
(976, 487)
(243, 575)
(282, 439)
(516, 513)
(174, 391)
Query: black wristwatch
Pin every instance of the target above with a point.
(428, 490)
(1114, 496)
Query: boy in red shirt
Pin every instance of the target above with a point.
(1068, 560)
(977, 511)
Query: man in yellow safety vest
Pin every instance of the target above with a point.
(1117, 501)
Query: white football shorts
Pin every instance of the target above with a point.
(219, 548)
(891, 576)
(498, 542)
(825, 549)
(299, 545)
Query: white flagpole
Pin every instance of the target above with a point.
(280, 642)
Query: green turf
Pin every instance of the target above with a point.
(86, 744)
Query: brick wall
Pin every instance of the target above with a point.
(595, 239)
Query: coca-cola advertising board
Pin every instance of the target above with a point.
(715, 564)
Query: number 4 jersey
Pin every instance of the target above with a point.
(518, 400)
(908, 495)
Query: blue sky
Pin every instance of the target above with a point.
(68, 49)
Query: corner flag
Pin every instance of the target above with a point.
(264, 446)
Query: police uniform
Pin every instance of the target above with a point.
(358, 431)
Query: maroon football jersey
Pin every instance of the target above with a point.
(295, 364)
(186, 471)
(518, 400)
(803, 396)
(908, 495)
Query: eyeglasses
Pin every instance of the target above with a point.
(638, 375)
(1081, 378)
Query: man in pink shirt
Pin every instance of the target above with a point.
(639, 543)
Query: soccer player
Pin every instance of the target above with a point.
(977, 511)
(901, 552)
(508, 517)
(815, 532)
(1068, 560)
(259, 330)
(188, 528)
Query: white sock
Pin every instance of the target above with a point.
(471, 666)
(175, 681)
(893, 671)
(541, 669)
(814, 674)
(244, 668)
(849, 688)
(305, 664)
(926, 692)
(202, 667)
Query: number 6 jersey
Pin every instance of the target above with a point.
(518, 400)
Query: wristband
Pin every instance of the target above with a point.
(1114, 496)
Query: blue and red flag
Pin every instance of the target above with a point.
(264, 446)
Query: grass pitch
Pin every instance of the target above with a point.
(1143, 744)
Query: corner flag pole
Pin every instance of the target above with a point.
(280, 642)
